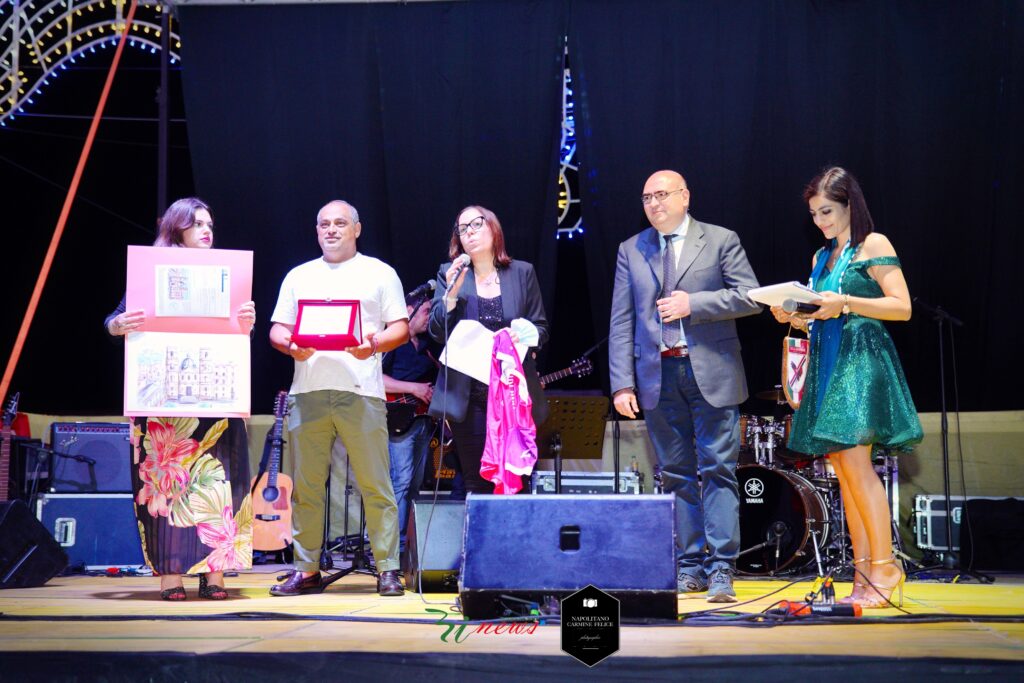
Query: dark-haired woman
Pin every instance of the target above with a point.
(190, 474)
(855, 396)
(494, 290)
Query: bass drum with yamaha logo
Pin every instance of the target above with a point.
(782, 515)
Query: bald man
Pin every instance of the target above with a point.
(340, 395)
(673, 352)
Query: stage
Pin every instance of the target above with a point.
(116, 629)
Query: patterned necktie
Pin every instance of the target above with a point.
(669, 331)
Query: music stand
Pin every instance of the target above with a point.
(575, 424)
(357, 546)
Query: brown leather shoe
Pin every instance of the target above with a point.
(389, 585)
(296, 584)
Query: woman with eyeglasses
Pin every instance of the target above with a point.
(190, 474)
(492, 289)
(855, 394)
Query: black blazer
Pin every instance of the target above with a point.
(520, 298)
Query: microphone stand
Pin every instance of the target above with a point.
(950, 561)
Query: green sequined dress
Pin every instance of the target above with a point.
(866, 400)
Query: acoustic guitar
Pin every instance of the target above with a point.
(272, 494)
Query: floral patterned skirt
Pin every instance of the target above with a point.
(186, 472)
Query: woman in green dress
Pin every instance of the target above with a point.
(855, 395)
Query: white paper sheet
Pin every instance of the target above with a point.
(469, 350)
(774, 295)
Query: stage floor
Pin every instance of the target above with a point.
(84, 616)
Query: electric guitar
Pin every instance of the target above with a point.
(581, 367)
(271, 496)
(5, 447)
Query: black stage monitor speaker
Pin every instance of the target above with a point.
(29, 555)
(534, 547)
(90, 457)
(994, 536)
(433, 551)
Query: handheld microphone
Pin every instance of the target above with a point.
(791, 306)
(462, 262)
(803, 609)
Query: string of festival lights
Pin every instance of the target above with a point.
(40, 39)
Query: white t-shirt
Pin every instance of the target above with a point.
(379, 290)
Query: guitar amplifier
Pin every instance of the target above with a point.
(96, 530)
(90, 457)
(586, 482)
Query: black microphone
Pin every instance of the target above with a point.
(426, 289)
(791, 306)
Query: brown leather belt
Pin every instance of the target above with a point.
(676, 352)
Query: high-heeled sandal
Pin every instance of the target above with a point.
(211, 591)
(854, 596)
(880, 600)
(176, 594)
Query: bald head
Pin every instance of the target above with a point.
(671, 177)
(337, 229)
(338, 203)
(666, 200)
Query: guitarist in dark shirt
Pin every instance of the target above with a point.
(409, 373)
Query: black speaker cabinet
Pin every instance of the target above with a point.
(433, 551)
(29, 555)
(994, 536)
(90, 457)
(534, 547)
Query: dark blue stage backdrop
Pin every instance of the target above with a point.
(411, 111)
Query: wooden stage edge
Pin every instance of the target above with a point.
(86, 614)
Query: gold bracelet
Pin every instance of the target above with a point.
(846, 304)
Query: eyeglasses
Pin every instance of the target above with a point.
(474, 226)
(660, 195)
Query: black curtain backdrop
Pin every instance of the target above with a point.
(920, 100)
(413, 111)
(409, 112)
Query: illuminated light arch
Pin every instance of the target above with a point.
(38, 39)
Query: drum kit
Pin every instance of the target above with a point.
(791, 510)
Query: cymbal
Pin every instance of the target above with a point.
(775, 395)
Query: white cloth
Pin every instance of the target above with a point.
(378, 289)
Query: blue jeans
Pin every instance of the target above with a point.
(408, 456)
(689, 436)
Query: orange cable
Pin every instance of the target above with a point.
(44, 272)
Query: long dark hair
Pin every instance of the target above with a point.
(501, 257)
(179, 217)
(838, 185)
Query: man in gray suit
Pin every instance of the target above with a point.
(679, 285)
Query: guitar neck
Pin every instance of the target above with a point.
(274, 466)
(547, 379)
(5, 462)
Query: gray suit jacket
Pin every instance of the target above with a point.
(714, 270)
